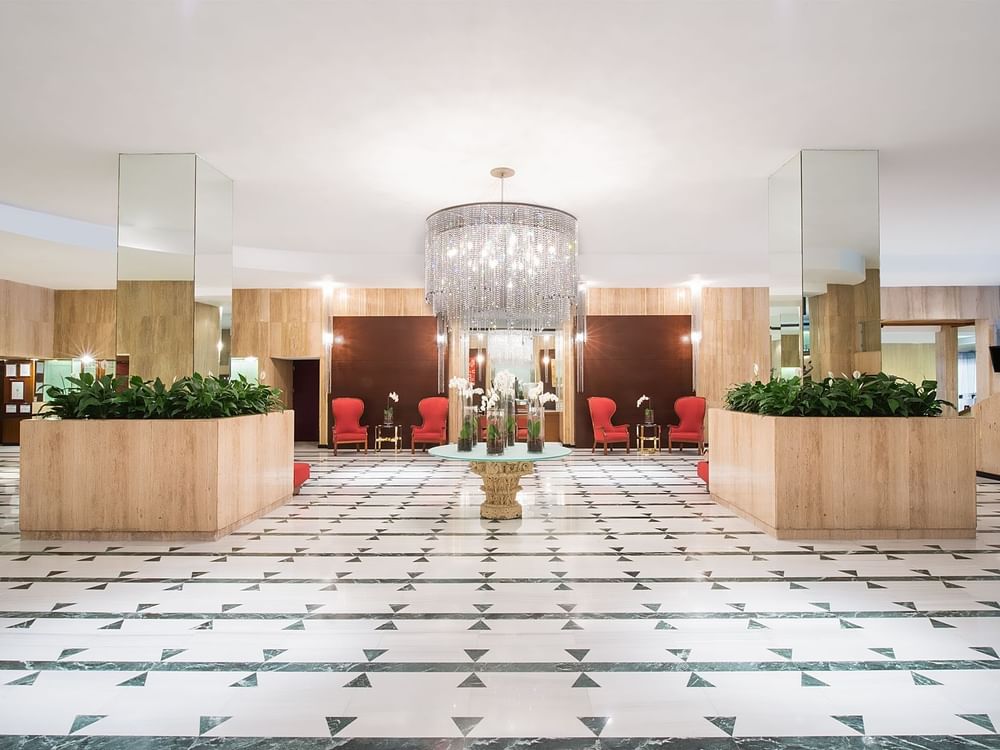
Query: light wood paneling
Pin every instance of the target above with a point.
(987, 415)
(379, 302)
(155, 323)
(158, 479)
(946, 364)
(84, 323)
(567, 427)
(458, 367)
(658, 301)
(845, 332)
(207, 334)
(937, 303)
(734, 337)
(296, 323)
(987, 381)
(27, 315)
(847, 478)
(915, 362)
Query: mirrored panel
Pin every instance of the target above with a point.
(784, 189)
(174, 288)
(823, 248)
(213, 269)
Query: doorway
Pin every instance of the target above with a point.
(305, 399)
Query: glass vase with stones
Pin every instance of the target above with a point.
(496, 431)
(536, 425)
(511, 423)
(470, 424)
(648, 417)
(387, 417)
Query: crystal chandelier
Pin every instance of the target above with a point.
(501, 265)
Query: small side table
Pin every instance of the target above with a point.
(647, 439)
(388, 433)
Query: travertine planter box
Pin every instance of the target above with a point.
(152, 479)
(846, 478)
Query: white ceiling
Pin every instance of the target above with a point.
(343, 124)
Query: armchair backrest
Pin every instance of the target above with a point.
(601, 411)
(434, 413)
(690, 413)
(347, 414)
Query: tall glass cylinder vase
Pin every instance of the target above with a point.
(496, 431)
(470, 426)
(536, 428)
(511, 406)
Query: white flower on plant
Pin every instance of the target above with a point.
(459, 384)
(394, 397)
(642, 400)
(535, 391)
(545, 398)
(503, 383)
(476, 392)
(756, 370)
(857, 374)
(829, 374)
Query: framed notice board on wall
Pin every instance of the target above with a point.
(18, 395)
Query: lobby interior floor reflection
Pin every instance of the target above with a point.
(377, 604)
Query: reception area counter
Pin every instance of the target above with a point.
(152, 479)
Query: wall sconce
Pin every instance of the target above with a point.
(696, 336)
(87, 359)
(338, 339)
(218, 346)
(327, 287)
(327, 339)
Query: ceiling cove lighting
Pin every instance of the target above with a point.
(501, 265)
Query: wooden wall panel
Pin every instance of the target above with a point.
(85, 323)
(915, 362)
(155, 323)
(379, 302)
(734, 337)
(987, 381)
(946, 364)
(655, 301)
(296, 323)
(986, 412)
(936, 303)
(207, 334)
(846, 333)
(383, 354)
(27, 320)
(627, 356)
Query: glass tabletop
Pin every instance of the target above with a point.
(517, 452)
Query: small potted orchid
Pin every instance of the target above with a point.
(536, 417)
(392, 398)
(468, 434)
(648, 411)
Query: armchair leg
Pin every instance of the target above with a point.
(335, 447)
(594, 449)
(605, 447)
(701, 448)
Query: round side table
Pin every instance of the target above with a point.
(501, 474)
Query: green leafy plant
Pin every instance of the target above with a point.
(878, 395)
(534, 429)
(194, 397)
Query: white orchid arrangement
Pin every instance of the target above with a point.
(537, 393)
(504, 383)
(393, 398)
(464, 387)
(643, 399)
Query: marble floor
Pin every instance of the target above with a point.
(376, 610)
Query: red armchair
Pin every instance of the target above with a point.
(691, 430)
(601, 411)
(347, 427)
(434, 430)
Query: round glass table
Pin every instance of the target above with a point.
(501, 474)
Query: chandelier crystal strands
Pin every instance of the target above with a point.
(501, 265)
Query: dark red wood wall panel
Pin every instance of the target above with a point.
(626, 356)
(377, 355)
(305, 399)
